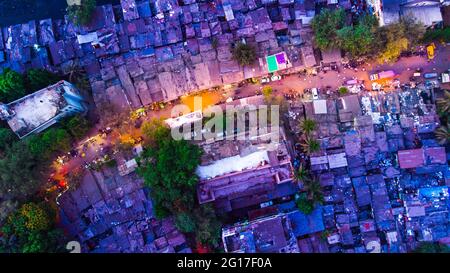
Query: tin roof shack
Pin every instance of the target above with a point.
(295, 116)
(325, 114)
(240, 174)
(427, 12)
(348, 109)
(271, 234)
(110, 213)
(428, 214)
(41, 109)
(380, 203)
(409, 159)
(313, 244)
(306, 224)
(330, 58)
(140, 52)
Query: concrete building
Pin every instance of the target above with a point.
(41, 109)
(271, 234)
(390, 11)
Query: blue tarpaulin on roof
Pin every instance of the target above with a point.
(433, 192)
(286, 207)
(306, 224)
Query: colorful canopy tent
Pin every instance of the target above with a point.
(276, 62)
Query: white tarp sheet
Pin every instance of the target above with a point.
(232, 164)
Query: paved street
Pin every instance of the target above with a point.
(404, 68)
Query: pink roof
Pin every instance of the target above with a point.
(386, 74)
(411, 158)
(435, 155)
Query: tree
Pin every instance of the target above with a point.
(325, 26)
(7, 138)
(301, 174)
(343, 90)
(185, 222)
(307, 126)
(313, 190)
(304, 205)
(7, 207)
(393, 39)
(443, 134)
(244, 54)
(443, 104)
(207, 226)
(36, 218)
(53, 140)
(77, 126)
(414, 30)
(393, 50)
(36, 79)
(310, 146)
(440, 34)
(355, 40)
(31, 230)
(312, 195)
(81, 14)
(11, 86)
(57, 140)
(432, 247)
(155, 131)
(20, 176)
(267, 91)
(169, 171)
(38, 148)
(370, 21)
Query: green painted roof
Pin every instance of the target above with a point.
(272, 63)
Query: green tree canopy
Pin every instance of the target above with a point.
(267, 91)
(310, 146)
(208, 228)
(343, 90)
(155, 131)
(36, 79)
(78, 126)
(12, 86)
(443, 104)
(307, 126)
(304, 205)
(169, 171)
(301, 174)
(355, 40)
(443, 134)
(19, 177)
(244, 54)
(325, 26)
(393, 39)
(81, 14)
(431, 247)
(44, 145)
(7, 137)
(31, 230)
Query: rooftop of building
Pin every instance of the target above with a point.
(111, 213)
(234, 169)
(271, 234)
(32, 111)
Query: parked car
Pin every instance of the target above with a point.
(430, 75)
(382, 75)
(265, 80)
(275, 78)
(315, 93)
